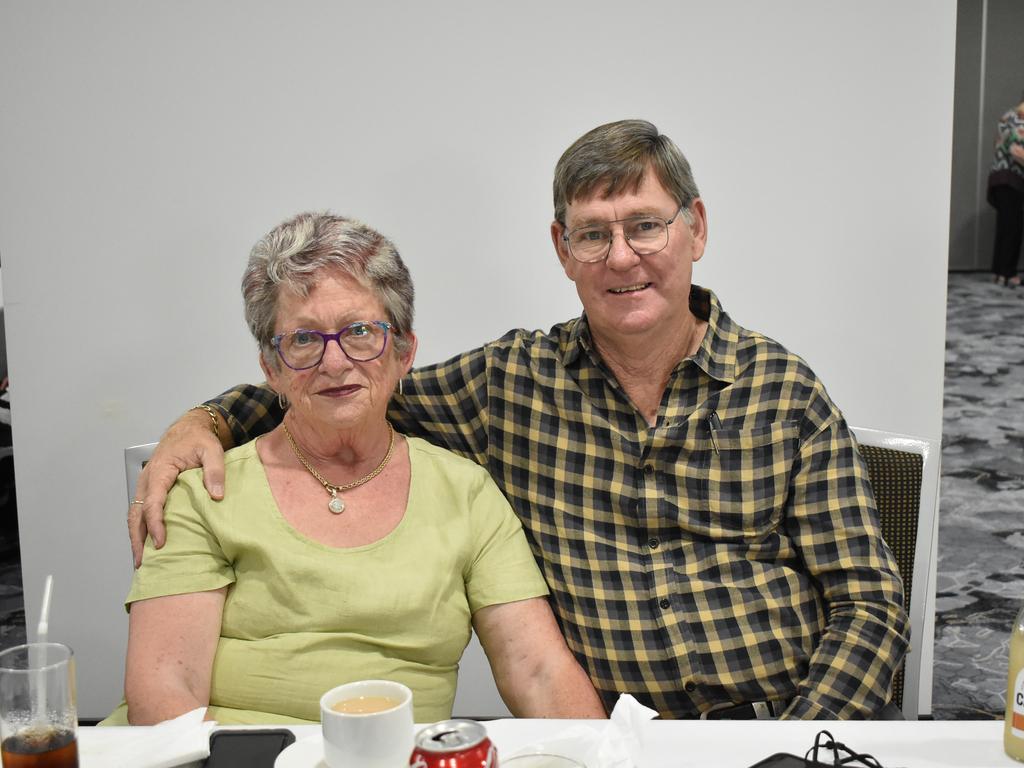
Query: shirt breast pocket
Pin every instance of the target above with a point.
(748, 479)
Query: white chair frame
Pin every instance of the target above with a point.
(134, 459)
(917, 674)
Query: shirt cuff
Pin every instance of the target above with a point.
(238, 433)
(802, 708)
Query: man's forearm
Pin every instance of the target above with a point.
(248, 411)
(833, 521)
(851, 671)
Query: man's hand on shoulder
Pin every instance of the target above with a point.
(187, 444)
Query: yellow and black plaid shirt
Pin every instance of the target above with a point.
(729, 554)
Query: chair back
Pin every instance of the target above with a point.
(135, 459)
(904, 476)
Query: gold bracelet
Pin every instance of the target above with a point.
(213, 417)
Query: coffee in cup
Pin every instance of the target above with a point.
(365, 705)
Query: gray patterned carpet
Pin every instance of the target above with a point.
(981, 508)
(981, 524)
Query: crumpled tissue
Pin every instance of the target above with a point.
(618, 744)
(180, 741)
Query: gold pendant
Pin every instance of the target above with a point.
(336, 505)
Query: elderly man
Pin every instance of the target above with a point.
(695, 499)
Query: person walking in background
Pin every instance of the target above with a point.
(1006, 195)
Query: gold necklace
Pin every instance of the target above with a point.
(337, 504)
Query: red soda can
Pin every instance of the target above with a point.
(454, 744)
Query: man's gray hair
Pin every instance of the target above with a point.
(614, 157)
(292, 254)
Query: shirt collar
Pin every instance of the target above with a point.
(716, 355)
(577, 339)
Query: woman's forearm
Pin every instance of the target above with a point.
(554, 688)
(536, 673)
(159, 699)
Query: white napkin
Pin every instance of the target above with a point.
(183, 740)
(617, 745)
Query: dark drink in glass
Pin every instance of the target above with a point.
(40, 747)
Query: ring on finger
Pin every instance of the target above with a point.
(138, 501)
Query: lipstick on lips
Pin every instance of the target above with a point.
(341, 391)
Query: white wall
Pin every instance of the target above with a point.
(144, 147)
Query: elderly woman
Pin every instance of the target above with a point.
(345, 550)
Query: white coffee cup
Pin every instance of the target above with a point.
(370, 740)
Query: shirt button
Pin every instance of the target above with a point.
(648, 469)
(665, 602)
(690, 686)
(653, 543)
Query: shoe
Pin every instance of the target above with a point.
(999, 279)
(1013, 281)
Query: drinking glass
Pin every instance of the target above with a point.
(38, 715)
(541, 760)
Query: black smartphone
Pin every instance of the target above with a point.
(784, 760)
(252, 748)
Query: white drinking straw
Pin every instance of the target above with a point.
(42, 630)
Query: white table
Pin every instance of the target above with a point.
(738, 744)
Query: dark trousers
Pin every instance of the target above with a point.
(1009, 204)
(890, 712)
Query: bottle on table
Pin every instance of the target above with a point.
(1013, 734)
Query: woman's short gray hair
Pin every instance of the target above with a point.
(614, 157)
(293, 253)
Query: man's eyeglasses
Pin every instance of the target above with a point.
(646, 235)
(361, 342)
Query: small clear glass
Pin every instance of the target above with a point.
(541, 760)
(38, 706)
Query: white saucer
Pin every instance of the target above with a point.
(305, 753)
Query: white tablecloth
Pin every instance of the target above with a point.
(696, 744)
(734, 744)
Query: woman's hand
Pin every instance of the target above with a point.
(187, 444)
(1017, 150)
(536, 673)
(171, 644)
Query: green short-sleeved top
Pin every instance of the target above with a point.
(301, 617)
